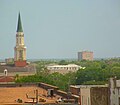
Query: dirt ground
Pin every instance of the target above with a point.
(12, 94)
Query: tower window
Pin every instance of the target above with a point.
(21, 54)
(17, 40)
(20, 40)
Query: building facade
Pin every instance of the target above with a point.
(63, 69)
(20, 48)
(91, 94)
(85, 55)
(98, 94)
(114, 88)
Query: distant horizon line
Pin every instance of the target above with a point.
(38, 59)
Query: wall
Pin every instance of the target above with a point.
(20, 63)
(114, 89)
(58, 92)
(85, 55)
(74, 90)
(47, 86)
(99, 96)
(18, 84)
(85, 96)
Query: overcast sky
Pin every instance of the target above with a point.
(61, 28)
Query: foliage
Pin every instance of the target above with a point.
(16, 76)
(63, 62)
(96, 72)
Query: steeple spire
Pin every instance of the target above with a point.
(19, 27)
(20, 48)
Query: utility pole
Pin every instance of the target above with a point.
(36, 95)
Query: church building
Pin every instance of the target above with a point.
(20, 48)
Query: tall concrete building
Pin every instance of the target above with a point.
(20, 48)
(85, 55)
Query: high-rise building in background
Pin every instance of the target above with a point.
(20, 48)
(85, 55)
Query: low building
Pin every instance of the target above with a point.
(21, 71)
(91, 94)
(98, 94)
(9, 60)
(85, 55)
(63, 69)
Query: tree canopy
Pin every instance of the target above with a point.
(96, 72)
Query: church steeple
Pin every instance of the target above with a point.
(20, 48)
(19, 27)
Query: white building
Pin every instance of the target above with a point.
(64, 68)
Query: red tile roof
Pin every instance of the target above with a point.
(6, 79)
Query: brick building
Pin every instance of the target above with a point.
(85, 55)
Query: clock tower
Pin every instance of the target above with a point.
(20, 48)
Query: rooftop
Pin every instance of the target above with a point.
(10, 95)
(69, 65)
(88, 86)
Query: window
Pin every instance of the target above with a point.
(21, 54)
(113, 91)
(17, 40)
(20, 40)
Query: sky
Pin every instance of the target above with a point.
(61, 28)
